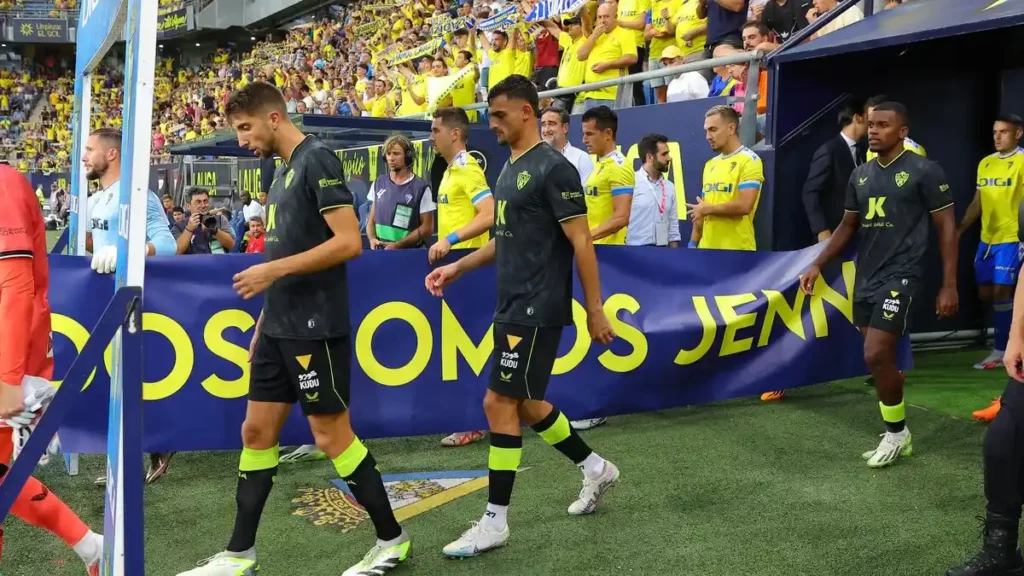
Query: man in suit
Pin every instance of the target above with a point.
(825, 188)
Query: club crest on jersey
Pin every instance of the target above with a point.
(522, 179)
(288, 178)
(901, 178)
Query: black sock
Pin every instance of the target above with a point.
(556, 431)
(502, 463)
(250, 496)
(367, 486)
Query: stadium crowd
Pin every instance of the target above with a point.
(386, 59)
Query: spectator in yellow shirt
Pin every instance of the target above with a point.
(570, 69)
(661, 35)
(608, 52)
(502, 56)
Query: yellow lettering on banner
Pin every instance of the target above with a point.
(184, 356)
(844, 304)
(735, 322)
(213, 336)
(61, 324)
(580, 346)
(790, 316)
(454, 340)
(424, 343)
(627, 332)
(707, 322)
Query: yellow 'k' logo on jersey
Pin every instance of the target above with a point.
(288, 178)
(875, 207)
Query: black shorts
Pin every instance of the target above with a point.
(522, 360)
(315, 373)
(887, 311)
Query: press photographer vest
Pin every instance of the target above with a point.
(397, 207)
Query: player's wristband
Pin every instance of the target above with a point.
(692, 244)
(452, 238)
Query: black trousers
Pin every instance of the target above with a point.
(638, 87)
(1004, 455)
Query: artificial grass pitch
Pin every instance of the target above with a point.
(736, 488)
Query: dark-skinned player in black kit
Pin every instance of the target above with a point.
(540, 225)
(889, 202)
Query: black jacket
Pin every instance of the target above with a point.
(825, 189)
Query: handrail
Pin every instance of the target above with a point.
(813, 27)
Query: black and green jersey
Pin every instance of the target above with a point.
(533, 195)
(894, 203)
(314, 306)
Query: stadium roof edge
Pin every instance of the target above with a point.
(914, 22)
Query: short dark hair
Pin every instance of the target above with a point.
(563, 116)
(254, 98)
(501, 33)
(112, 136)
(728, 113)
(1013, 119)
(177, 210)
(164, 197)
(649, 145)
(847, 113)
(604, 117)
(197, 191)
(875, 100)
(256, 218)
(461, 31)
(897, 108)
(467, 55)
(516, 87)
(455, 119)
(761, 28)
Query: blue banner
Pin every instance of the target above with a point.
(693, 327)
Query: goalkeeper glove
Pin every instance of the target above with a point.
(104, 260)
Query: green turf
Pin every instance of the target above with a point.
(737, 488)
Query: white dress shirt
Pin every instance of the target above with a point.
(253, 208)
(654, 204)
(580, 159)
(851, 145)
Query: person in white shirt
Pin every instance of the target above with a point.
(250, 207)
(688, 85)
(653, 217)
(554, 129)
(851, 15)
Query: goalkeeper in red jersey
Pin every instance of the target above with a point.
(26, 359)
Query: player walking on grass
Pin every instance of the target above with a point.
(888, 201)
(1003, 456)
(540, 225)
(996, 200)
(465, 206)
(26, 357)
(301, 349)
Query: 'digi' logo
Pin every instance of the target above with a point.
(309, 380)
(510, 359)
(891, 306)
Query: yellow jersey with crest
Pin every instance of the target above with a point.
(462, 187)
(908, 145)
(724, 177)
(612, 175)
(1001, 189)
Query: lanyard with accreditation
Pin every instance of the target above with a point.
(661, 224)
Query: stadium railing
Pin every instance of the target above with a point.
(748, 120)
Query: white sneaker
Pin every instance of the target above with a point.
(889, 449)
(381, 558)
(224, 564)
(593, 490)
(993, 360)
(461, 438)
(476, 540)
(304, 453)
(587, 424)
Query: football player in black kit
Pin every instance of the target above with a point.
(889, 203)
(301, 349)
(540, 224)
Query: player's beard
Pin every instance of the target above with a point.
(95, 173)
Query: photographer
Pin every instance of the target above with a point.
(205, 231)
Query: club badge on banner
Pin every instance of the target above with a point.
(693, 327)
